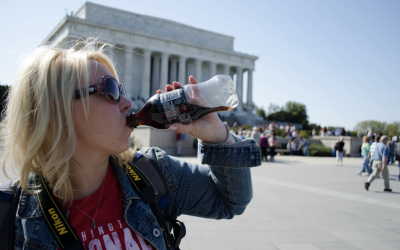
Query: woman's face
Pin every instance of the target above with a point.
(105, 131)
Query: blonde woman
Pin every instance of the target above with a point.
(55, 131)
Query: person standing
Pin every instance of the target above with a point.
(339, 151)
(391, 148)
(272, 143)
(302, 149)
(256, 135)
(264, 147)
(180, 139)
(365, 154)
(380, 157)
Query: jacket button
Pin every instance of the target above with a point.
(156, 232)
(252, 157)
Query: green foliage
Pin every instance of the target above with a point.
(384, 128)
(291, 112)
(393, 129)
(273, 108)
(261, 113)
(3, 95)
(305, 133)
(353, 133)
(319, 150)
(283, 116)
(280, 132)
(376, 126)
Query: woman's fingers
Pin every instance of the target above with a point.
(159, 91)
(192, 80)
(168, 88)
(177, 85)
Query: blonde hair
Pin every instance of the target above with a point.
(38, 133)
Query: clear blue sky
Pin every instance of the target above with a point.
(340, 58)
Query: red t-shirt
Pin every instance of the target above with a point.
(111, 231)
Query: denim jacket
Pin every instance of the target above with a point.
(220, 191)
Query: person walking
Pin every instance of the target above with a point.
(264, 147)
(339, 151)
(65, 131)
(272, 144)
(391, 145)
(380, 157)
(365, 154)
(371, 152)
(397, 154)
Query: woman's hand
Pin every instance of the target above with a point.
(208, 128)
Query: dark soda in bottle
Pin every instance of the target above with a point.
(186, 104)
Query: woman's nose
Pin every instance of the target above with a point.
(125, 103)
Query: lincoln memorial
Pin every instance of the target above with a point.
(151, 52)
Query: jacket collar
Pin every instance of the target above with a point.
(29, 204)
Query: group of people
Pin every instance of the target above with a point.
(377, 153)
(332, 132)
(264, 136)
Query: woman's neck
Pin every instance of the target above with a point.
(87, 173)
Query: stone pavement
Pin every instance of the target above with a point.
(305, 203)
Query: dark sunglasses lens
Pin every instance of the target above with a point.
(112, 90)
(123, 90)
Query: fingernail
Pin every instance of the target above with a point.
(172, 128)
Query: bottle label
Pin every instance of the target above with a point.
(169, 96)
(175, 106)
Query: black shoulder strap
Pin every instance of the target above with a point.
(60, 228)
(143, 168)
(10, 192)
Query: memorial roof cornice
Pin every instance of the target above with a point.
(76, 20)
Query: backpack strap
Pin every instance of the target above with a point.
(10, 192)
(143, 168)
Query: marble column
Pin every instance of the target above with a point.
(198, 71)
(249, 105)
(173, 70)
(128, 72)
(226, 69)
(146, 74)
(164, 71)
(239, 87)
(213, 68)
(182, 70)
(155, 84)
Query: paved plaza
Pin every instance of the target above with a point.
(306, 203)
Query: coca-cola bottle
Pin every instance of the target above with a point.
(186, 104)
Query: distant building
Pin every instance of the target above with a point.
(152, 52)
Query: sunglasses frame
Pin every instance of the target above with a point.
(100, 88)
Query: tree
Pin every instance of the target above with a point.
(273, 108)
(376, 126)
(283, 116)
(3, 95)
(393, 129)
(261, 113)
(299, 110)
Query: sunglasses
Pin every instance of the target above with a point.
(108, 86)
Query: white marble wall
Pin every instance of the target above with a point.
(152, 52)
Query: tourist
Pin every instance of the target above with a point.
(272, 144)
(371, 152)
(390, 145)
(78, 141)
(339, 151)
(287, 130)
(397, 153)
(256, 135)
(364, 154)
(294, 134)
(313, 132)
(380, 157)
(180, 140)
(264, 147)
(302, 148)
